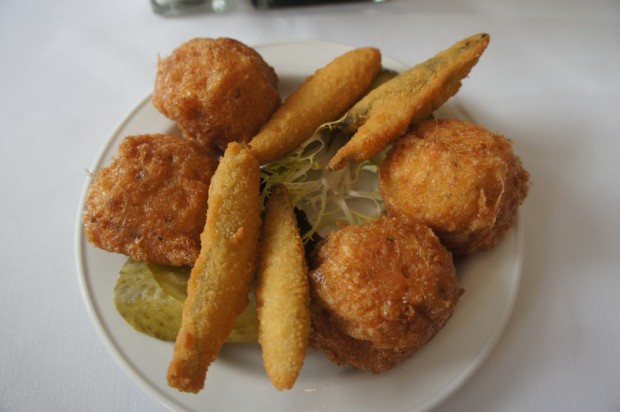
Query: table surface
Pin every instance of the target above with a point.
(71, 70)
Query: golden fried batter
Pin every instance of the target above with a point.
(322, 97)
(150, 203)
(462, 180)
(220, 280)
(386, 112)
(282, 297)
(379, 292)
(216, 90)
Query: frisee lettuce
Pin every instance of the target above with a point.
(329, 199)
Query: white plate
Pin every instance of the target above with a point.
(236, 381)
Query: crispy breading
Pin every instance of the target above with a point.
(380, 291)
(216, 90)
(220, 280)
(150, 203)
(461, 179)
(282, 296)
(386, 112)
(322, 97)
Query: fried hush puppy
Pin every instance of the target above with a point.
(461, 179)
(216, 90)
(150, 203)
(379, 292)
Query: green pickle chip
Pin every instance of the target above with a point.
(173, 280)
(150, 298)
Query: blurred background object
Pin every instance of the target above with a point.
(268, 4)
(178, 7)
(181, 7)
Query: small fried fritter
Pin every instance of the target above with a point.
(462, 180)
(216, 90)
(150, 203)
(380, 292)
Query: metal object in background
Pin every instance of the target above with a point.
(270, 4)
(179, 7)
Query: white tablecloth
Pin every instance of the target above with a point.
(71, 70)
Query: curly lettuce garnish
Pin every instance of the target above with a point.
(329, 199)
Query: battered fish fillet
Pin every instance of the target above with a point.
(380, 292)
(216, 90)
(461, 179)
(282, 296)
(386, 113)
(321, 98)
(150, 203)
(220, 280)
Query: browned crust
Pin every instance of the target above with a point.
(461, 179)
(150, 203)
(380, 292)
(216, 90)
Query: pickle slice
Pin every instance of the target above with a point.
(245, 328)
(150, 298)
(173, 280)
(144, 304)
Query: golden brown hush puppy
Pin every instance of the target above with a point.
(216, 90)
(150, 203)
(461, 179)
(379, 292)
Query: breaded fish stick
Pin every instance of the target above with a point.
(221, 277)
(282, 293)
(323, 97)
(385, 113)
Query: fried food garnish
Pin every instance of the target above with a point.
(380, 291)
(216, 90)
(461, 179)
(321, 98)
(385, 113)
(282, 296)
(150, 203)
(220, 280)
